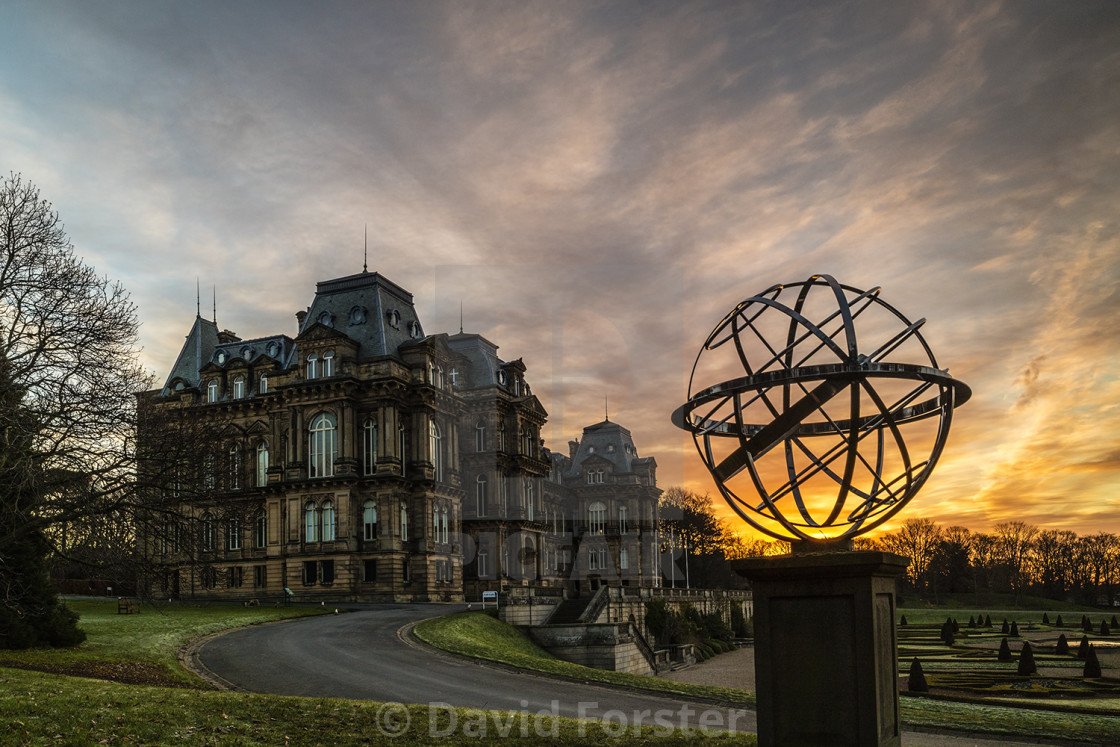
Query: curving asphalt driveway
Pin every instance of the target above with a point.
(361, 655)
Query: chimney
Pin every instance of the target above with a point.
(300, 316)
(572, 447)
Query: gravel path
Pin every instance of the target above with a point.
(733, 669)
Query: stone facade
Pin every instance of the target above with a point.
(364, 459)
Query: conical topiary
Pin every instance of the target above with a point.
(987, 621)
(971, 621)
(1006, 628)
(1045, 619)
(1114, 623)
(1014, 630)
(1062, 648)
(1083, 647)
(1092, 664)
(902, 622)
(1026, 660)
(1105, 630)
(916, 683)
(1004, 651)
(1058, 623)
(1086, 624)
(947, 633)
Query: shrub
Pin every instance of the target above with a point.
(1004, 651)
(1114, 623)
(956, 627)
(1014, 630)
(657, 612)
(738, 621)
(987, 621)
(1092, 664)
(1045, 619)
(1026, 660)
(1006, 628)
(902, 622)
(1058, 623)
(1086, 624)
(1104, 628)
(947, 633)
(916, 683)
(1063, 645)
(1083, 647)
(971, 622)
(714, 627)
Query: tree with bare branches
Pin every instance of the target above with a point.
(68, 345)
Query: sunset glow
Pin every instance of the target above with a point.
(593, 186)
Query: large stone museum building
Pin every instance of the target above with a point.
(366, 459)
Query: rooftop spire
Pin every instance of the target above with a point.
(606, 410)
(365, 249)
(460, 316)
(215, 287)
(197, 297)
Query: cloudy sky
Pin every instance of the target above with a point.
(597, 183)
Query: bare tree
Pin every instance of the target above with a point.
(1014, 543)
(917, 539)
(68, 347)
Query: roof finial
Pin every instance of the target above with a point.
(365, 250)
(606, 410)
(460, 316)
(215, 305)
(197, 297)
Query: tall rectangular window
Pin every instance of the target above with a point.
(369, 571)
(369, 444)
(326, 572)
(262, 465)
(309, 572)
(404, 522)
(260, 576)
(369, 521)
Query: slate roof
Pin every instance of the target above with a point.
(196, 353)
(606, 440)
(370, 309)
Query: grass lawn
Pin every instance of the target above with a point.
(142, 648)
(481, 636)
(51, 707)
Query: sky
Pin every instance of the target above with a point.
(593, 185)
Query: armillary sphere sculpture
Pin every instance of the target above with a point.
(832, 434)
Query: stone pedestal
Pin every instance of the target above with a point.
(825, 647)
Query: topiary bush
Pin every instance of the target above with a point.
(916, 682)
(1014, 630)
(1006, 628)
(1026, 660)
(1062, 647)
(1105, 630)
(1058, 623)
(1092, 664)
(1083, 647)
(1004, 651)
(1045, 619)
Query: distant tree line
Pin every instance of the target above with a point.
(1015, 557)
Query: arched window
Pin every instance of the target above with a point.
(238, 387)
(330, 525)
(369, 433)
(313, 366)
(260, 533)
(623, 519)
(207, 532)
(328, 363)
(483, 567)
(529, 497)
(234, 468)
(480, 436)
(597, 518)
(480, 495)
(262, 464)
(233, 534)
(310, 522)
(404, 522)
(324, 446)
(263, 388)
(369, 521)
(212, 391)
(435, 444)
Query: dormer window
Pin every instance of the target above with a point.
(246, 352)
(238, 387)
(358, 315)
(414, 330)
(502, 378)
(212, 391)
(328, 363)
(326, 319)
(313, 366)
(221, 357)
(273, 349)
(394, 318)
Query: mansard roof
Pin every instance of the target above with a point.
(368, 308)
(609, 441)
(196, 353)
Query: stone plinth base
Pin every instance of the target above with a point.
(825, 647)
